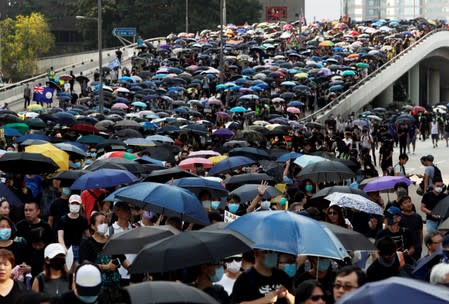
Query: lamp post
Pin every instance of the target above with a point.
(187, 16)
(221, 41)
(100, 55)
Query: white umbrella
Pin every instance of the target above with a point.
(354, 201)
(305, 160)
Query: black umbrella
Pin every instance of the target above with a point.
(253, 153)
(128, 133)
(127, 124)
(132, 241)
(12, 199)
(165, 175)
(351, 239)
(326, 171)
(167, 292)
(342, 189)
(24, 162)
(197, 247)
(69, 176)
(442, 208)
(160, 153)
(249, 178)
(117, 163)
(248, 192)
(9, 118)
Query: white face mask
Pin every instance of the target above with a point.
(234, 266)
(102, 228)
(206, 204)
(265, 205)
(74, 208)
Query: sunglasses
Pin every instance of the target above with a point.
(317, 297)
(229, 260)
(345, 287)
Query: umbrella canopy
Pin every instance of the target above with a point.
(164, 175)
(164, 199)
(442, 208)
(229, 164)
(10, 196)
(199, 184)
(118, 154)
(352, 240)
(26, 162)
(299, 234)
(61, 158)
(191, 163)
(250, 152)
(305, 160)
(197, 247)
(287, 156)
(326, 171)
(248, 192)
(249, 178)
(69, 176)
(117, 163)
(132, 241)
(161, 138)
(160, 292)
(91, 139)
(71, 149)
(397, 290)
(103, 178)
(383, 183)
(354, 201)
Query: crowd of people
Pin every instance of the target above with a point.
(173, 109)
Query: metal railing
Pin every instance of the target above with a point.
(335, 103)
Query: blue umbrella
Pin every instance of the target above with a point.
(288, 232)
(70, 148)
(12, 199)
(397, 290)
(223, 132)
(126, 78)
(121, 100)
(38, 136)
(249, 97)
(295, 103)
(103, 178)
(238, 110)
(199, 184)
(139, 104)
(287, 156)
(230, 163)
(165, 199)
(10, 132)
(149, 160)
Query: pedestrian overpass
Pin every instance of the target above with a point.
(426, 63)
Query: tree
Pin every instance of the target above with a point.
(23, 40)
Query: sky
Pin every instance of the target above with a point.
(322, 9)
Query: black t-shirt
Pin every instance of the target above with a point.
(24, 230)
(377, 272)
(58, 209)
(19, 250)
(251, 285)
(402, 238)
(73, 229)
(12, 296)
(70, 298)
(431, 200)
(413, 223)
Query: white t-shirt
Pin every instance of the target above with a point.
(434, 127)
(227, 283)
(130, 257)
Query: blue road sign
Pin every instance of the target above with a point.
(124, 31)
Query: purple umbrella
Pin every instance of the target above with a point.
(223, 132)
(279, 120)
(223, 114)
(385, 183)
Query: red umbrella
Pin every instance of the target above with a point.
(418, 109)
(190, 163)
(84, 128)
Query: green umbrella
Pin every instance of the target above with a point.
(348, 73)
(362, 65)
(90, 139)
(19, 126)
(36, 123)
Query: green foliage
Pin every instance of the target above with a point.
(23, 40)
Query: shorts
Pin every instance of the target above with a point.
(446, 134)
(434, 136)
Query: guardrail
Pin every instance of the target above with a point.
(12, 92)
(326, 110)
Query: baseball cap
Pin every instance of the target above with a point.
(53, 250)
(75, 198)
(88, 280)
(429, 158)
(394, 211)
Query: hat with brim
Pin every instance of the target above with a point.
(88, 280)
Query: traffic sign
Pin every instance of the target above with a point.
(124, 31)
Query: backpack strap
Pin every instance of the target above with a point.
(40, 280)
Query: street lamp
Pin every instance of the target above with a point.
(187, 16)
(100, 53)
(222, 4)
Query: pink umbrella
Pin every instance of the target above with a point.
(190, 163)
(293, 110)
(287, 27)
(120, 106)
(214, 101)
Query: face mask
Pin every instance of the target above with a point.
(215, 204)
(290, 270)
(93, 154)
(234, 266)
(102, 229)
(323, 265)
(57, 263)
(402, 193)
(66, 191)
(233, 207)
(206, 204)
(88, 162)
(77, 165)
(74, 208)
(89, 300)
(283, 201)
(438, 189)
(219, 271)
(5, 234)
(270, 260)
(308, 188)
(265, 205)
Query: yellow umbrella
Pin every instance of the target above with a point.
(216, 159)
(301, 75)
(327, 43)
(61, 158)
(35, 107)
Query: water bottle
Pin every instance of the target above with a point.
(28, 281)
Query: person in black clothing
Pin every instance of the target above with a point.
(388, 263)
(7, 236)
(402, 135)
(413, 222)
(10, 289)
(87, 285)
(59, 208)
(32, 221)
(263, 280)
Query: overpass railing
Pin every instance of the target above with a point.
(334, 103)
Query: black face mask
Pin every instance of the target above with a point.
(57, 263)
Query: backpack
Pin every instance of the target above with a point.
(436, 172)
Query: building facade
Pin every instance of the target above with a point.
(282, 10)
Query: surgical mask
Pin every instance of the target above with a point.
(215, 204)
(88, 162)
(206, 204)
(76, 165)
(323, 265)
(402, 192)
(233, 208)
(57, 263)
(74, 208)
(265, 205)
(219, 271)
(438, 189)
(290, 270)
(308, 188)
(234, 266)
(270, 260)
(93, 154)
(5, 234)
(283, 201)
(66, 191)
(102, 229)
(89, 300)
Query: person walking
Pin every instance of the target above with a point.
(27, 95)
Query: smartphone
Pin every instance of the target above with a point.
(116, 262)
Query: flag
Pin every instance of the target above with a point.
(43, 94)
(114, 63)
